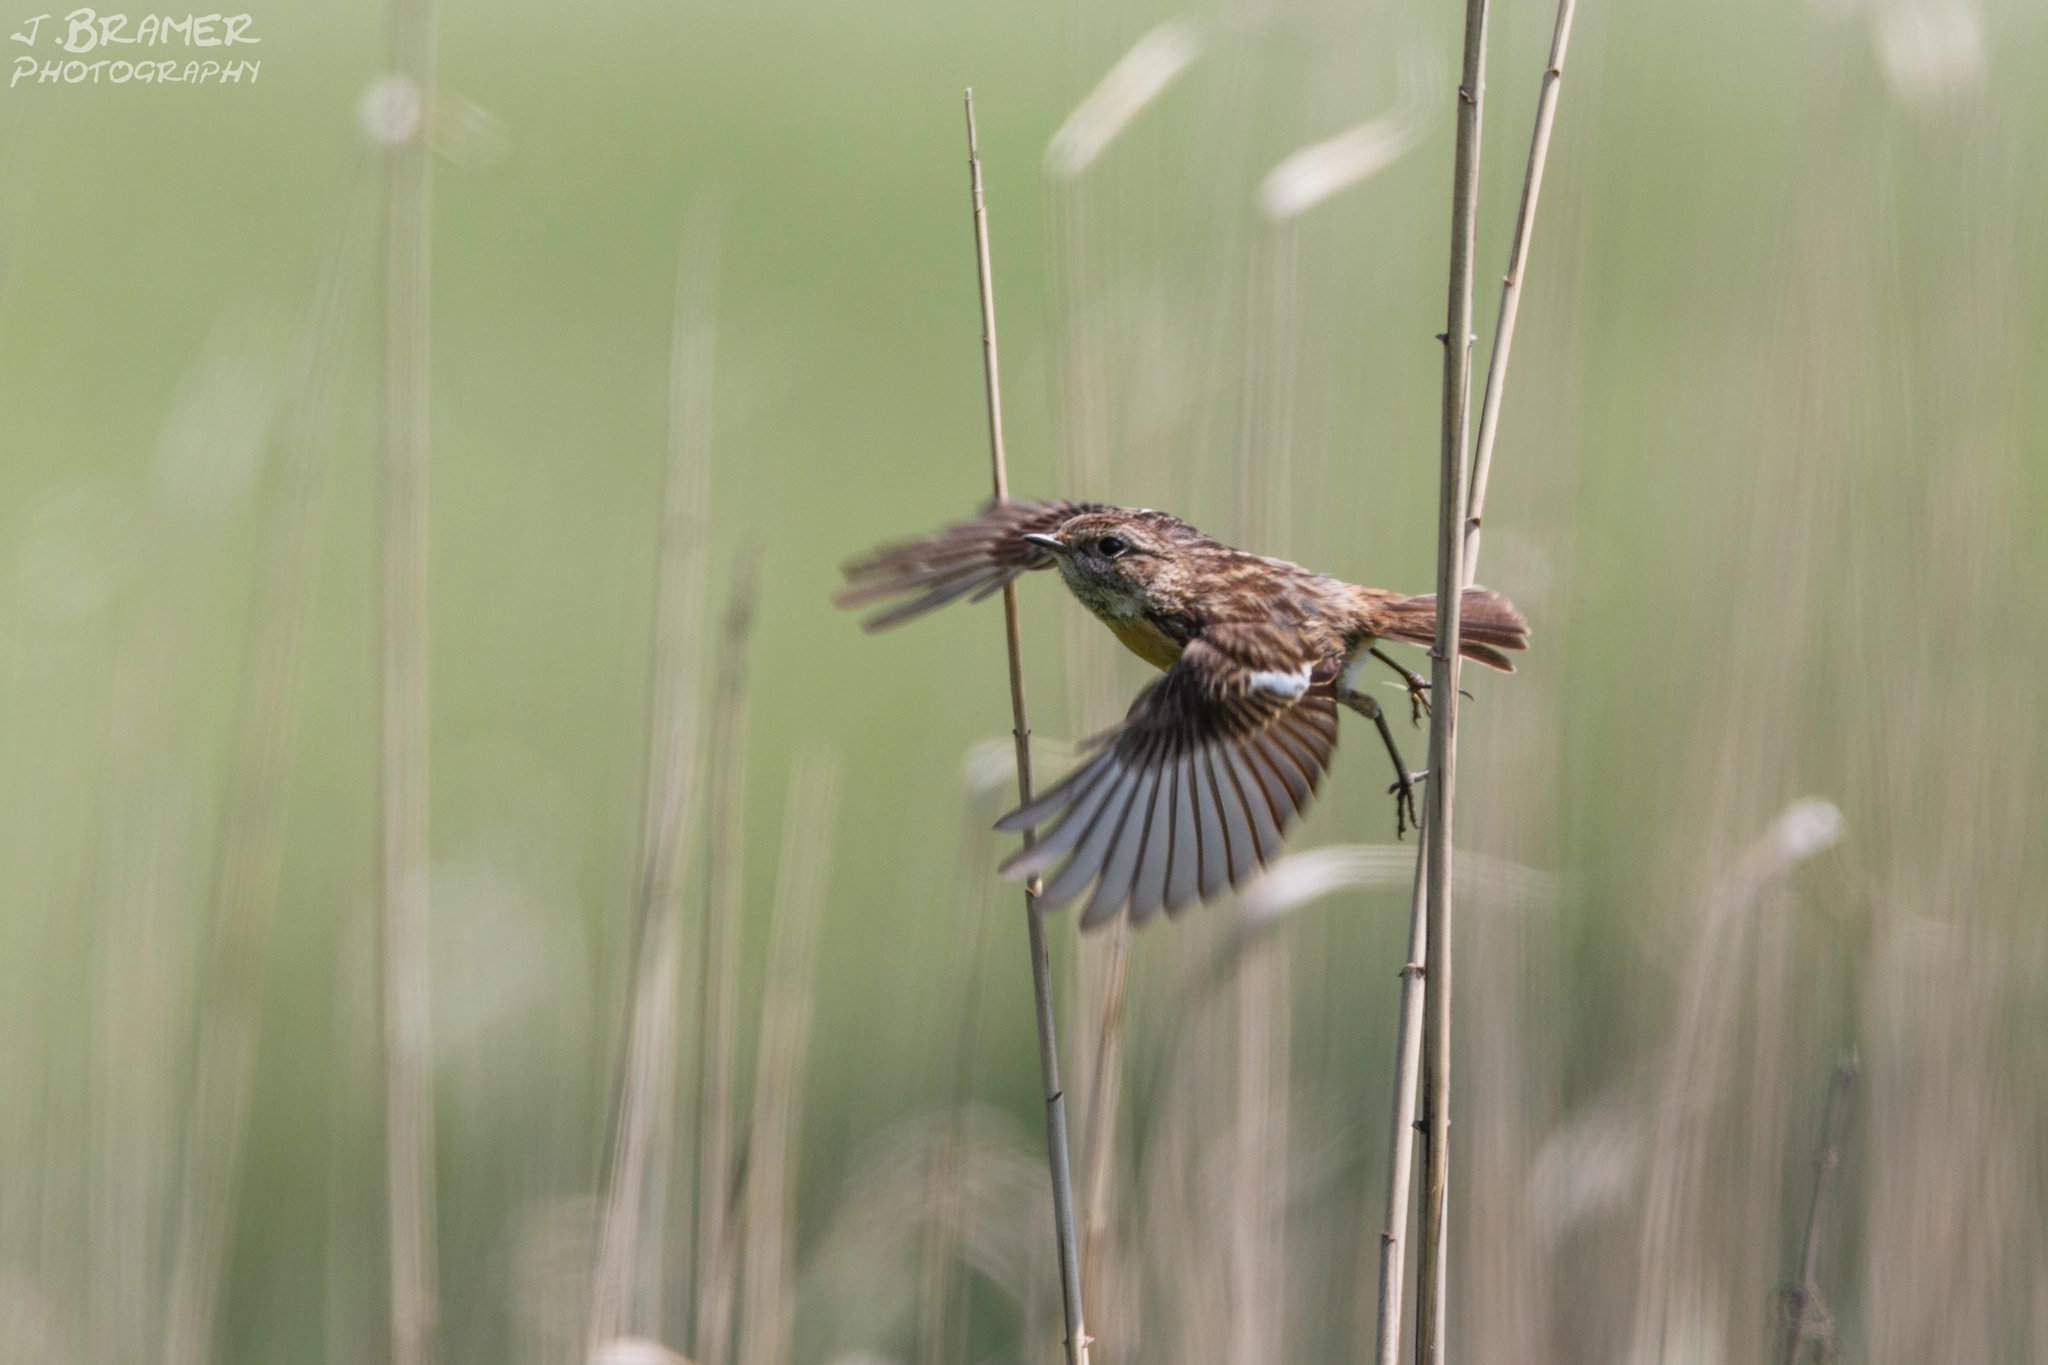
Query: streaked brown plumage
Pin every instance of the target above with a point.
(1195, 789)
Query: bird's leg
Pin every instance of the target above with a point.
(1418, 686)
(1404, 781)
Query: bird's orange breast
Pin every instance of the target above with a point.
(1145, 640)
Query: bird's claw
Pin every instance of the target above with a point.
(1404, 802)
(1417, 688)
(1418, 698)
(1415, 683)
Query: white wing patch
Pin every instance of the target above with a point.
(1288, 685)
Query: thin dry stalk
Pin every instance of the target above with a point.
(1677, 1187)
(1401, 1133)
(1259, 1185)
(409, 1094)
(355, 1228)
(1511, 283)
(1041, 967)
(936, 1309)
(1804, 1303)
(1443, 725)
(1098, 1141)
(1184, 1210)
(252, 843)
(719, 989)
(942, 1313)
(635, 1204)
(1457, 565)
(769, 1304)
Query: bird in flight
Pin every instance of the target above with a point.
(1195, 789)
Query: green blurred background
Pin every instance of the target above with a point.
(1770, 488)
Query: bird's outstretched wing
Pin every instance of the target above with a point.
(975, 557)
(1196, 788)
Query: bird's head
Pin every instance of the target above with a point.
(1120, 561)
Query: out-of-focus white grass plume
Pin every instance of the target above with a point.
(1302, 878)
(391, 110)
(634, 1351)
(1321, 169)
(1135, 81)
(1808, 826)
(1930, 50)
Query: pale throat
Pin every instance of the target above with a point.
(1125, 615)
(1109, 604)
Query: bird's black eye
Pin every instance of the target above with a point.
(1110, 547)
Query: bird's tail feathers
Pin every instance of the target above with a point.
(1487, 624)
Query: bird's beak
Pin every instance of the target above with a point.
(1052, 543)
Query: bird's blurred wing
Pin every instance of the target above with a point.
(975, 557)
(1196, 788)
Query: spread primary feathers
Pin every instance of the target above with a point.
(1196, 788)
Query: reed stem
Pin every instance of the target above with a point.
(1443, 726)
(775, 1134)
(1457, 565)
(718, 994)
(253, 827)
(624, 1299)
(1805, 1295)
(1511, 283)
(1401, 1135)
(1041, 968)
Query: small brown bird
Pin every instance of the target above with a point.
(1196, 788)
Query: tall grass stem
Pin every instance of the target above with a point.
(1098, 1144)
(1443, 726)
(408, 1048)
(635, 1203)
(1041, 967)
(1401, 1131)
(718, 995)
(1805, 1298)
(768, 1307)
(1511, 283)
(253, 827)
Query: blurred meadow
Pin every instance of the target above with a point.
(1772, 488)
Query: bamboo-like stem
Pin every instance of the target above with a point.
(408, 1062)
(769, 1281)
(635, 1199)
(718, 992)
(1806, 1293)
(1431, 918)
(252, 836)
(1041, 967)
(1511, 283)
(1443, 725)
(1401, 1134)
